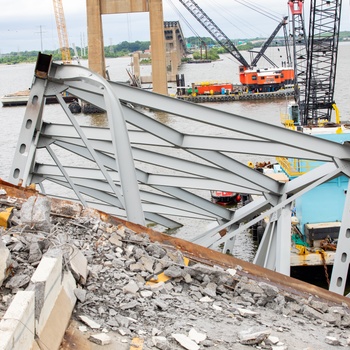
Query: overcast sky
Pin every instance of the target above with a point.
(30, 24)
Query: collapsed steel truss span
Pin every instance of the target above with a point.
(140, 168)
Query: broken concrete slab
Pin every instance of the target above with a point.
(185, 341)
(52, 331)
(35, 213)
(196, 336)
(131, 287)
(17, 326)
(5, 262)
(17, 281)
(80, 294)
(46, 281)
(250, 337)
(78, 265)
(91, 323)
(116, 240)
(100, 339)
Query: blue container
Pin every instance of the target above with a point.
(325, 202)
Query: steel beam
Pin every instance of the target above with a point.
(142, 169)
(26, 147)
(342, 254)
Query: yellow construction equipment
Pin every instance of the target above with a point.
(5, 217)
(62, 31)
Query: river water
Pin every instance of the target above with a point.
(19, 77)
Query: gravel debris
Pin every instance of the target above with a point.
(129, 286)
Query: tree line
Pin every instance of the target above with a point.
(123, 49)
(126, 48)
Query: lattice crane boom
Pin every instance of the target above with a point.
(261, 53)
(315, 58)
(250, 76)
(62, 31)
(322, 55)
(214, 30)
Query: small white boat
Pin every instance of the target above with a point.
(20, 98)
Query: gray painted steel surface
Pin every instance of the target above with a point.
(148, 172)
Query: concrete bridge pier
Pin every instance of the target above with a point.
(96, 8)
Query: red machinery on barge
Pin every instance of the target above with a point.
(225, 198)
(252, 78)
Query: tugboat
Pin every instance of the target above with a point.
(225, 198)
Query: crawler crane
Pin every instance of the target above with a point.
(315, 60)
(255, 79)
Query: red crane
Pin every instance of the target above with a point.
(257, 79)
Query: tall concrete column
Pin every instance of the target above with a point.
(136, 67)
(159, 75)
(95, 37)
(97, 8)
(174, 64)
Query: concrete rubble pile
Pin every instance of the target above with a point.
(132, 291)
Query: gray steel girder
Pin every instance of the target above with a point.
(140, 168)
(231, 145)
(342, 254)
(26, 147)
(199, 113)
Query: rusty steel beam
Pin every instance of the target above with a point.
(194, 252)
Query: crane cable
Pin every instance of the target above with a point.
(238, 22)
(183, 18)
(246, 3)
(259, 9)
(129, 27)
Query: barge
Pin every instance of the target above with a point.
(237, 96)
(223, 91)
(20, 98)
